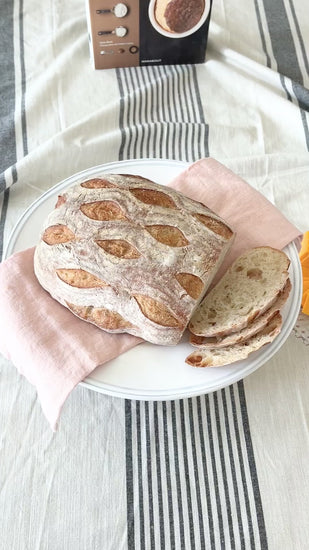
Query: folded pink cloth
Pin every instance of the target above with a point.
(254, 219)
(55, 350)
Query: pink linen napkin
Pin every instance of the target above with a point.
(254, 219)
(55, 350)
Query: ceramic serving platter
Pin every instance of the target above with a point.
(150, 372)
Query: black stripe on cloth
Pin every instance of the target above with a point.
(159, 476)
(4, 207)
(179, 490)
(121, 115)
(129, 476)
(284, 49)
(23, 78)
(7, 87)
(149, 462)
(140, 476)
(253, 470)
(4, 201)
(299, 35)
(7, 108)
(168, 477)
(203, 150)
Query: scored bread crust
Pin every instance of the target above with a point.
(230, 354)
(130, 255)
(248, 288)
(257, 325)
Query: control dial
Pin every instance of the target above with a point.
(118, 31)
(120, 10)
(121, 31)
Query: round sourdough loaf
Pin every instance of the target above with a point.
(247, 289)
(130, 255)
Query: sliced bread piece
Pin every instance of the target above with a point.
(256, 326)
(247, 289)
(230, 354)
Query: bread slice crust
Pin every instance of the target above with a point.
(237, 352)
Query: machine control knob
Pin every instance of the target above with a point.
(120, 10)
(121, 31)
(118, 31)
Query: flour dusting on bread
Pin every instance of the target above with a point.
(130, 255)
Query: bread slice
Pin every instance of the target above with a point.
(253, 328)
(248, 288)
(230, 354)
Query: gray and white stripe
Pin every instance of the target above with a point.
(191, 479)
(12, 107)
(161, 114)
(288, 56)
(191, 476)
(7, 107)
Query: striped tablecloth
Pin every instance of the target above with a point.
(217, 471)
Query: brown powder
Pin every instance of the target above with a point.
(182, 15)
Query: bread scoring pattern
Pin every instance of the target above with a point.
(80, 278)
(57, 234)
(127, 254)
